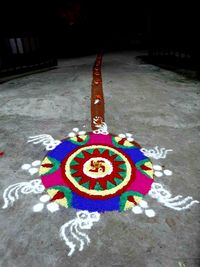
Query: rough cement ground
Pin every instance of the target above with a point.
(158, 107)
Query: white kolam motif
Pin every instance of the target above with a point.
(12, 192)
(47, 140)
(84, 221)
(165, 197)
(156, 153)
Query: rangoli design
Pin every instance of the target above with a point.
(95, 172)
(97, 176)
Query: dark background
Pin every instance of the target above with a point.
(87, 25)
(167, 30)
(75, 26)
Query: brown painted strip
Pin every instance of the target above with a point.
(97, 98)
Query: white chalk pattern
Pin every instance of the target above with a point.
(11, 193)
(32, 168)
(75, 132)
(156, 153)
(143, 207)
(128, 136)
(159, 171)
(165, 197)
(84, 220)
(44, 200)
(47, 140)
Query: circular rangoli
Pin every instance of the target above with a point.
(97, 172)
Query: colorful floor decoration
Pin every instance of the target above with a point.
(95, 172)
(59, 196)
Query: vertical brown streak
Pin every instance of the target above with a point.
(97, 110)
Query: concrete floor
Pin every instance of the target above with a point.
(158, 107)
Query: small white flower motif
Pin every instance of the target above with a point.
(32, 168)
(51, 206)
(143, 207)
(128, 136)
(75, 132)
(159, 171)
